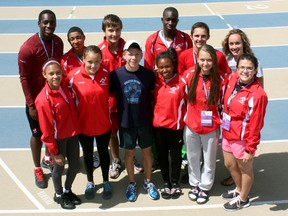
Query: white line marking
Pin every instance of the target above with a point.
(221, 17)
(211, 11)
(71, 13)
(21, 186)
(274, 141)
(136, 209)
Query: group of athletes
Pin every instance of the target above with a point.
(175, 107)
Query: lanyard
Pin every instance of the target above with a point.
(235, 92)
(45, 49)
(231, 97)
(79, 59)
(194, 56)
(206, 92)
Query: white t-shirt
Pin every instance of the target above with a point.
(232, 64)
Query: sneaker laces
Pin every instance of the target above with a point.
(39, 174)
(151, 187)
(115, 166)
(131, 188)
(233, 192)
(236, 201)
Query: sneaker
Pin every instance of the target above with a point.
(107, 191)
(131, 193)
(96, 161)
(165, 191)
(64, 201)
(90, 191)
(152, 191)
(236, 204)
(47, 164)
(230, 194)
(175, 191)
(137, 167)
(39, 178)
(193, 193)
(203, 197)
(73, 198)
(115, 168)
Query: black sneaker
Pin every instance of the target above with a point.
(75, 199)
(236, 204)
(64, 201)
(107, 191)
(39, 178)
(47, 164)
(230, 194)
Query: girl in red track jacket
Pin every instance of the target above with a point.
(59, 125)
(90, 83)
(202, 121)
(168, 121)
(243, 118)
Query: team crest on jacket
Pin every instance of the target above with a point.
(173, 90)
(242, 100)
(179, 46)
(103, 81)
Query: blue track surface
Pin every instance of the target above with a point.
(15, 125)
(95, 2)
(152, 24)
(266, 55)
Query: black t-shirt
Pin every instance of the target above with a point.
(134, 102)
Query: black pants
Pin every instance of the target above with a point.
(169, 143)
(102, 142)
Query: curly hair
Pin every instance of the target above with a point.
(244, 38)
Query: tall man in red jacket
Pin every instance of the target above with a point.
(168, 36)
(33, 53)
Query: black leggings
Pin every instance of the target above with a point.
(169, 142)
(69, 148)
(102, 142)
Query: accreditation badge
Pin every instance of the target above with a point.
(226, 121)
(206, 118)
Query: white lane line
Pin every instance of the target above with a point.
(211, 11)
(274, 141)
(71, 13)
(222, 18)
(21, 186)
(136, 209)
